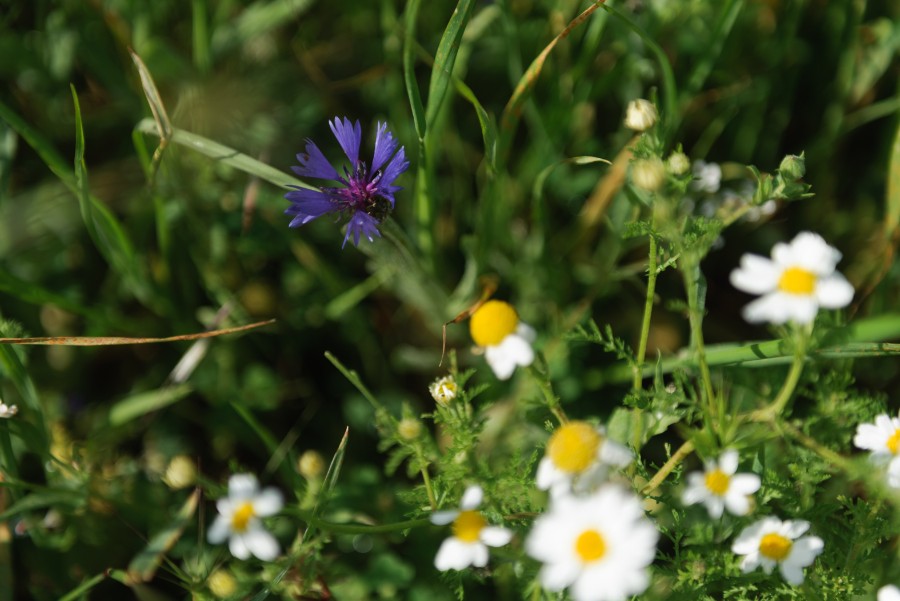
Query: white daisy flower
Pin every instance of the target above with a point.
(578, 458)
(8, 411)
(882, 438)
(239, 522)
(599, 546)
(471, 534)
(798, 280)
(506, 341)
(443, 390)
(719, 487)
(770, 542)
(889, 593)
(640, 115)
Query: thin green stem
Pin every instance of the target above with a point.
(547, 390)
(787, 389)
(677, 457)
(354, 379)
(307, 516)
(691, 274)
(648, 311)
(426, 478)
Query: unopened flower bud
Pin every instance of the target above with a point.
(793, 167)
(180, 473)
(222, 584)
(648, 174)
(311, 464)
(640, 115)
(443, 390)
(7, 411)
(678, 163)
(409, 428)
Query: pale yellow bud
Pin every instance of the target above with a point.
(222, 584)
(640, 115)
(409, 428)
(311, 464)
(443, 390)
(678, 163)
(648, 174)
(181, 472)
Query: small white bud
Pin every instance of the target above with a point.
(678, 163)
(648, 174)
(640, 115)
(409, 428)
(7, 411)
(180, 473)
(311, 465)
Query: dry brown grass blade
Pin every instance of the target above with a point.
(120, 340)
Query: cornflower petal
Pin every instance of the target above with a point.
(361, 224)
(308, 205)
(385, 145)
(314, 164)
(398, 165)
(349, 137)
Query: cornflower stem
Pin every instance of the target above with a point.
(648, 311)
(677, 457)
(691, 275)
(787, 389)
(543, 383)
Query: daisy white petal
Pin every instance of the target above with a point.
(834, 291)
(770, 542)
(472, 497)
(889, 593)
(506, 341)
(262, 544)
(495, 536)
(471, 534)
(238, 519)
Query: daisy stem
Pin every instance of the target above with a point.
(543, 383)
(677, 457)
(787, 389)
(692, 283)
(426, 478)
(648, 310)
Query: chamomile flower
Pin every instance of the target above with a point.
(598, 546)
(239, 522)
(720, 488)
(471, 534)
(578, 458)
(770, 542)
(798, 280)
(366, 193)
(707, 177)
(889, 593)
(506, 341)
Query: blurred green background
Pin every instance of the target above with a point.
(756, 80)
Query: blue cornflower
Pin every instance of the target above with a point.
(366, 193)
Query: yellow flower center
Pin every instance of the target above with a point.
(241, 516)
(573, 447)
(795, 280)
(590, 546)
(775, 546)
(717, 482)
(492, 322)
(468, 525)
(893, 443)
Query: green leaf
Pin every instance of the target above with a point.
(143, 566)
(12, 367)
(70, 499)
(409, 69)
(146, 402)
(225, 155)
(258, 19)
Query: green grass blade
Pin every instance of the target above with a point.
(12, 367)
(143, 566)
(255, 21)
(892, 195)
(78, 592)
(445, 58)
(143, 403)
(330, 481)
(713, 48)
(41, 145)
(486, 121)
(105, 230)
(226, 155)
(409, 69)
